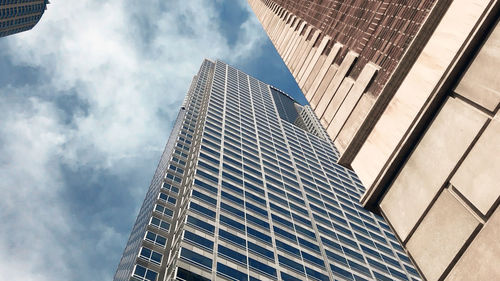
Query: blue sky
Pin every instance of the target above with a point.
(87, 100)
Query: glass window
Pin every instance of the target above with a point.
(160, 223)
(198, 240)
(200, 224)
(316, 275)
(287, 247)
(150, 255)
(233, 198)
(196, 258)
(257, 199)
(285, 222)
(204, 197)
(257, 221)
(208, 167)
(207, 176)
(336, 257)
(205, 186)
(262, 267)
(232, 223)
(286, 262)
(304, 231)
(354, 254)
(284, 233)
(256, 209)
(287, 277)
(232, 238)
(310, 258)
(183, 274)
(145, 273)
(310, 245)
(202, 210)
(167, 212)
(231, 273)
(232, 210)
(155, 238)
(231, 187)
(232, 255)
(359, 268)
(342, 272)
(260, 251)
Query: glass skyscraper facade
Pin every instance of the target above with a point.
(248, 189)
(20, 15)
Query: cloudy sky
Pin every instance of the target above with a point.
(87, 100)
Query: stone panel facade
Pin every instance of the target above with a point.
(410, 96)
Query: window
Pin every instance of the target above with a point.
(162, 210)
(290, 264)
(256, 209)
(160, 223)
(301, 219)
(170, 187)
(231, 273)
(231, 187)
(232, 210)
(284, 233)
(232, 198)
(336, 257)
(257, 221)
(312, 259)
(304, 231)
(145, 273)
(359, 268)
(200, 224)
(261, 251)
(202, 210)
(255, 198)
(207, 176)
(155, 238)
(196, 258)
(309, 245)
(205, 186)
(259, 235)
(287, 277)
(287, 248)
(198, 240)
(150, 255)
(262, 267)
(316, 275)
(232, 255)
(232, 238)
(232, 223)
(204, 197)
(183, 274)
(342, 272)
(166, 198)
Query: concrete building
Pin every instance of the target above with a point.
(243, 193)
(409, 93)
(20, 15)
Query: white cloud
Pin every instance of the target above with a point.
(131, 64)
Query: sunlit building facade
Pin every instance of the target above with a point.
(248, 188)
(409, 93)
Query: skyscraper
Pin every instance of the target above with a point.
(409, 93)
(18, 15)
(248, 189)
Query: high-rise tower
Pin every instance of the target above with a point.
(18, 15)
(248, 189)
(409, 93)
